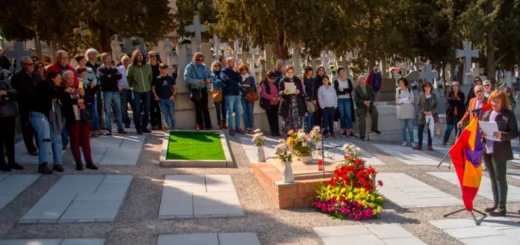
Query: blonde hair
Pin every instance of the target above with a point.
(243, 67)
(289, 67)
(499, 95)
(215, 63)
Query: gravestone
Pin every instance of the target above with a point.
(236, 49)
(428, 74)
(268, 54)
(242, 58)
(225, 47)
(216, 47)
(467, 53)
(128, 47)
(253, 71)
(194, 46)
(17, 53)
(324, 60)
(206, 51)
(196, 28)
(116, 49)
(507, 79)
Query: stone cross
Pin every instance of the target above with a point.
(225, 47)
(252, 69)
(427, 74)
(195, 47)
(242, 58)
(475, 72)
(324, 60)
(196, 28)
(216, 47)
(236, 49)
(417, 64)
(467, 53)
(17, 53)
(507, 79)
(268, 54)
(129, 47)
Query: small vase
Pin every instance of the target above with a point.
(305, 159)
(287, 173)
(260, 154)
(319, 148)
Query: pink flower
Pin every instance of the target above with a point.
(357, 217)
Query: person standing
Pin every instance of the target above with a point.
(318, 82)
(139, 77)
(292, 105)
(497, 153)
(217, 87)
(278, 72)
(4, 61)
(155, 111)
(248, 86)
(125, 91)
(94, 64)
(474, 106)
(512, 101)
(310, 96)
(231, 82)
(471, 93)
(427, 108)
(109, 78)
(24, 83)
(90, 79)
(197, 75)
(77, 122)
(8, 114)
(487, 88)
(454, 111)
(364, 98)
(270, 101)
(344, 88)
(404, 99)
(328, 100)
(164, 91)
(375, 80)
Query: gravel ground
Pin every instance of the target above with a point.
(137, 221)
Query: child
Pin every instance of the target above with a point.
(89, 89)
(164, 91)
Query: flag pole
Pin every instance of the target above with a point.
(444, 158)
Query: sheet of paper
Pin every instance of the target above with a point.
(489, 128)
(291, 87)
(403, 101)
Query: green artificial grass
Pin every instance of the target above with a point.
(195, 146)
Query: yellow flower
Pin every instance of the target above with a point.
(362, 190)
(371, 205)
(349, 196)
(364, 203)
(379, 198)
(379, 208)
(356, 190)
(371, 198)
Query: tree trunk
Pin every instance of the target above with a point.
(490, 53)
(53, 48)
(38, 47)
(106, 39)
(370, 44)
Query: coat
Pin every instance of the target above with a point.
(468, 116)
(25, 85)
(506, 122)
(360, 97)
(425, 105)
(283, 111)
(455, 101)
(345, 91)
(405, 111)
(57, 68)
(8, 102)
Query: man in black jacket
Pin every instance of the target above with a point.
(109, 78)
(24, 82)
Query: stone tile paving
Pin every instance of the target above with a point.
(82, 241)
(493, 230)
(374, 234)
(209, 239)
(334, 150)
(408, 192)
(12, 185)
(81, 198)
(196, 196)
(23, 157)
(408, 155)
(513, 192)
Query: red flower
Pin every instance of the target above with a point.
(380, 183)
(486, 107)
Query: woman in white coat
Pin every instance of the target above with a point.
(404, 99)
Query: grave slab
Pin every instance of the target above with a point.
(409, 192)
(209, 239)
(513, 192)
(492, 230)
(83, 198)
(192, 196)
(79, 241)
(384, 234)
(408, 155)
(12, 185)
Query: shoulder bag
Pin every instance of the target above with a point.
(195, 94)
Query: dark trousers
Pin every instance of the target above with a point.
(7, 126)
(29, 137)
(79, 133)
(317, 116)
(220, 108)
(100, 109)
(272, 118)
(144, 99)
(450, 127)
(155, 114)
(421, 135)
(497, 173)
(126, 98)
(202, 111)
(374, 117)
(328, 119)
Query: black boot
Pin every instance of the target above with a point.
(92, 166)
(15, 165)
(4, 167)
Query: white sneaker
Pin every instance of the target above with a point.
(404, 143)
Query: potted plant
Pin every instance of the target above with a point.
(317, 138)
(259, 141)
(301, 145)
(283, 153)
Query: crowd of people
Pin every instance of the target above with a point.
(60, 105)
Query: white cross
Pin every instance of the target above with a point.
(196, 28)
(216, 47)
(427, 74)
(467, 53)
(324, 59)
(194, 46)
(236, 48)
(507, 78)
(252, 69)
(242, 58)
(332, 57)
(226, 50)
(17, 53)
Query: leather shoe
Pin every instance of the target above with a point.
(92, 166)
(15, 165)
(44, 169)
(79, 167)
(58, 168)
(490, 209)
(498, 213)
(145, 130)
(376, 131)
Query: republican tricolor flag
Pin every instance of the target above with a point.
(466, 156)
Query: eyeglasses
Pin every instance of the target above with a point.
(200, 60)
(479, 91)
(486, 85)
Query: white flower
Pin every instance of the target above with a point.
(281, 141)
(257, 131)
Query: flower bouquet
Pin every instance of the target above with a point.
(351, 193)
(283, 152)
(261, 59)
(259, 142)
(300, 144)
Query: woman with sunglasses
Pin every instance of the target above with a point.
(487, 88)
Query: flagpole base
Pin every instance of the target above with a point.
(477, 222)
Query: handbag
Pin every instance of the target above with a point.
(310, 107)
(85, 115)
(217, 95)
(251, 96)
(195, 94)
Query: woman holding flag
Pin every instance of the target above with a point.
(497, 148)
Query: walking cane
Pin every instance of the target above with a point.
(366, 124)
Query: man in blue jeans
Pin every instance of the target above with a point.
(109, 78)
(231, 80)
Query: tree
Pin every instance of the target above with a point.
(186, 9)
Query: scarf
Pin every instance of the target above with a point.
(55, 118)
(244, 77)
